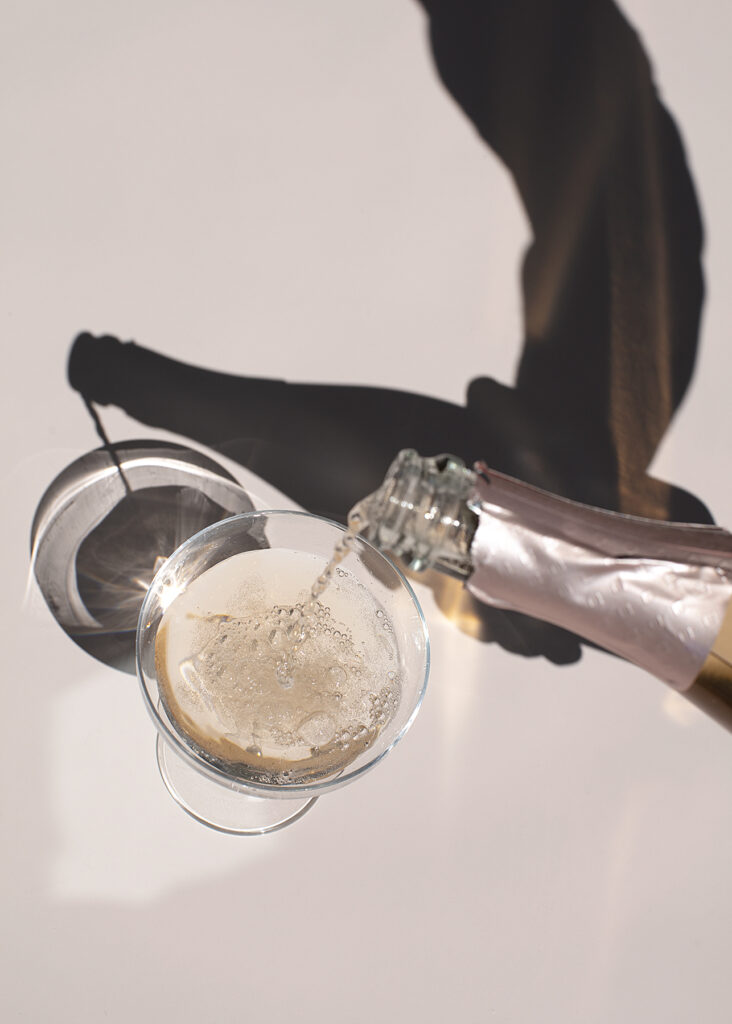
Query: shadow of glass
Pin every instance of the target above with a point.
(101, 532)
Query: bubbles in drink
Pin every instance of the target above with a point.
(337, 675)
(267, 680)
(317, 729)
(340, 551)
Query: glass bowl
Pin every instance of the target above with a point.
(263, 700)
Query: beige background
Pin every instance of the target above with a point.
(279, 190)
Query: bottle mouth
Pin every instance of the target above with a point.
(421, 513)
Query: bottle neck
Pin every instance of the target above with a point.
(654, 593)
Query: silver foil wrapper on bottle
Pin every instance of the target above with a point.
(657, 594)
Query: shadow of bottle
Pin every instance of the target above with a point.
(562, 91)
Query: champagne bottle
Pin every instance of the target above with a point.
(657, 594)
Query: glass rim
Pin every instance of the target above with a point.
(263, 789)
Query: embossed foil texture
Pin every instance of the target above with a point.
(653, 593)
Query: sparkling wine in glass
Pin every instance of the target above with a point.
(267, 685)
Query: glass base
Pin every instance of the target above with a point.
(220, 808)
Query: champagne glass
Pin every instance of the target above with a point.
(264, 696)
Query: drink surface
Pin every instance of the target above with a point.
(274, 678)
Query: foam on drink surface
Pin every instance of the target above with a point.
(269, 681)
